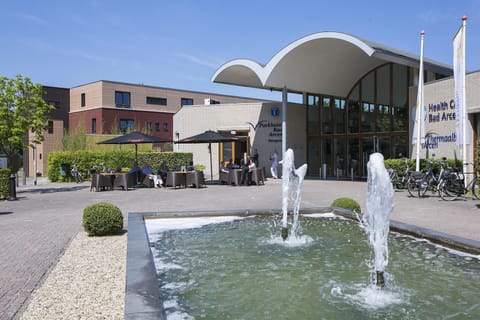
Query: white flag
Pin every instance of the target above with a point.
(462, 134)
(418, 135)
(419, 126)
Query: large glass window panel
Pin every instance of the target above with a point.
(326, 116)
(340, 163)
(383, 84)
(353, 153)
(367, 117)
(368, 98)
(353, 111)
(383, 118)
(326, 155)
(400, 98)
(313, 115)
(369, 146)
(383, 146)
(313, 158)
(399, 147)
(339, 115)
(368, 89)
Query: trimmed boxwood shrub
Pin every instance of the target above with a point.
(102, 219)
(346, 203)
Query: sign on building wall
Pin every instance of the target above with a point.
(440, 126)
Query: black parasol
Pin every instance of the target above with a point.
(135, 138)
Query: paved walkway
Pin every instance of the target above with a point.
(36, 229)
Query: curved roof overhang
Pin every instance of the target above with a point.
(325, 62)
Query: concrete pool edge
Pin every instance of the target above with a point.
(142, 294)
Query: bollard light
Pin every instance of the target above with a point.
(13, 188)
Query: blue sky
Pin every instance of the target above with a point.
(180, 44)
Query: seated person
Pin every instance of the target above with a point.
(235, 166)
(227, 166)
(247, 171)
(135, 168)
(162, 171)
(190, 166)
(157, 180)
(137, 171)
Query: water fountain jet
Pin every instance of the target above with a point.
(292, 181)
(376, 220)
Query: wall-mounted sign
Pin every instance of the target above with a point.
(275, 111)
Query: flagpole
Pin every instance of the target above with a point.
(464, 98)
(419, 113)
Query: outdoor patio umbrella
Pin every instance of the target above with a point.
(209, 137)
(135, 138)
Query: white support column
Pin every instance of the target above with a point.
(285, 174)
(284, 120)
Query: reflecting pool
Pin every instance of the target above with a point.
(241, 269)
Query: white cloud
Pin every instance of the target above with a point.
(32, 18)
(196, 60)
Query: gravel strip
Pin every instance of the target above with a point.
(87, 283)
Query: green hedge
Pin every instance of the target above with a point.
(400, 165)
(346, 203)
(85, 160)
(4, 183)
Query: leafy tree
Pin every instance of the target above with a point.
(22, 108)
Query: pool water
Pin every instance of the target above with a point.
(242, 270)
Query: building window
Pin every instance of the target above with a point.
(165, 126)
(54, 103)
(126, 125)
(148, 125)
(157, 101)
(122, 99)
(157, 126)
(211, 101)
(94, 125)
(50, 127)
(83, 100)
(186, 102)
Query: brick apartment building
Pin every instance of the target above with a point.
(110, 107)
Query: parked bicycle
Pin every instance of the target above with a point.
(400, 182)
(77, 176)
(430, 182)
(453, 186)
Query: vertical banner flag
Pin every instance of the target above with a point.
(419, 127)
(462, 135)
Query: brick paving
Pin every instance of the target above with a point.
(36, 229)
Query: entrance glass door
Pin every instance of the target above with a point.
(233, 151)
(369, 146)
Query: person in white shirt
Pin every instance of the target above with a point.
(273, 167)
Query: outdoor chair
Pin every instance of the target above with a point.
(224, 177)
(195, 178)
(101, 182)
(257, 176)
(125, 181)
(235, 176)
(147, 182)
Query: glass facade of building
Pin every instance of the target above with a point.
(374, 117)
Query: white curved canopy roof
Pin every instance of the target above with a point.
(324, 62)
